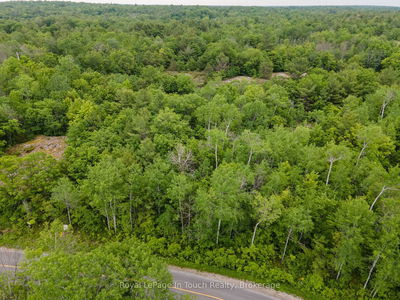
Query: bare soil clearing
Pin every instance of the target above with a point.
(281, 74)
(200, 78)
(52, 145)
(245, 78)
(255, 79)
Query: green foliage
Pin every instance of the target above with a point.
(291, 177)
(124, 270)
(56, 238)
(26, 188)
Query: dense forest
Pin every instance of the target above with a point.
(291, 176)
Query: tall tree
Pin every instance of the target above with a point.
(297, 220)
(268, 210)
(106, 188)
(354, 223)
(65, 194)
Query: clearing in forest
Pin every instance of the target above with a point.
(52, 145)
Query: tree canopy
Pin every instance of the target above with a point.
(261, 140)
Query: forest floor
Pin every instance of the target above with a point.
(52, 145)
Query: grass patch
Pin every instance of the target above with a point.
(20, 240)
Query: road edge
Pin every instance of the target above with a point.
(263, 290)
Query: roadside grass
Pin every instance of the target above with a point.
(242, 276)
(21, 240)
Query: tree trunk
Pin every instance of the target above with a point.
(108, 218)
(227, 128)
(250, 155)
(216, 155)
(384, 104)
(69, 215)
(254, 233)
(376, 287)
(329, 172)
(374, 294)
(301, 235)
(340, 270)
(115, 222)
(377, 197)
(372, 269)
(181, 215)
(219, 226)
(361, 153)
(286, 244)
